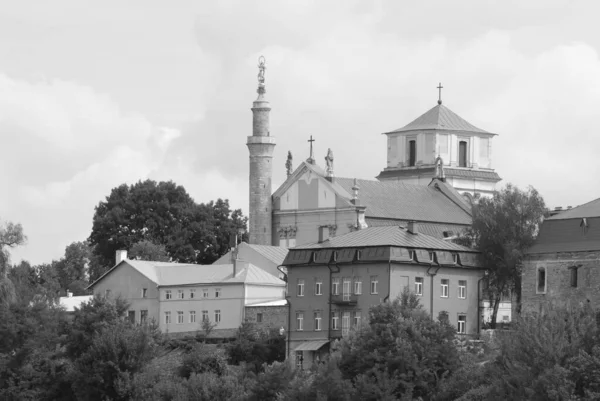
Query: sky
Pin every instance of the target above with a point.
(100, 93)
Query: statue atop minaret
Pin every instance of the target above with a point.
(260, 145)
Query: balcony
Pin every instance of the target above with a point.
(344, 299)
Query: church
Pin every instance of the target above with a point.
(435, 166)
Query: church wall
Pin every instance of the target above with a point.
(307, 224)
(289, 200)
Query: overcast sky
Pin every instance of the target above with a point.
(95, 96)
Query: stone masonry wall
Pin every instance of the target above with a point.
(558, 280)
(272, 316)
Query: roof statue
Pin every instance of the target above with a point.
(288, 163)
(439, 168)
(261, 75)
(329, 163)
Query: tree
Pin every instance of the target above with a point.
(73, 268)
(164, 214)
(146, 250)
(207, 327)
(11, 235)
(504, 227)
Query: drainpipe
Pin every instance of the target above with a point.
(289, 305)
(389, 281)
(479, 307)
(329, 315)
(432, 275)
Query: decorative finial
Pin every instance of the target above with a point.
(355, 189)
(261, 75)
(311, 159)
(288, 163)
(329, 164)
(440, 87)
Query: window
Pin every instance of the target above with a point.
(167, 317)
(357, 285)
(144, 292)
(131, 316)
(541, 280)
(374, 282)
(143, 316)
(335, 320)
(419, 285)
(462, 289)
(505, 318)
(345, 323)
(299, 321)
(217, 293)
(318, 287)
(192, 316)
(204, 315)
(317, 321)
(107, 293)
(356, 319)
(192, 293)
(205, 293)
(299, 359)
(347, 285)
(300, 288)
(259, 318)
(180, 294)
(180, 317)
(462, 154)
(462, 324)
(217, 316)
(412, 152)
(573, 276)
(168, 294)
(335, 286)
(444, 288)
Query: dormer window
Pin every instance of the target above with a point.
(462, 154)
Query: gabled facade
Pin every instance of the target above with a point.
(463, 151)
(563, 265)
(332, 284)
(179, 296)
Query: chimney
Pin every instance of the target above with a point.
(412, 227)
(69, 294)
(323, 234)
(120, 256)
(234, 260)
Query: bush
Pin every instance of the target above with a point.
(202, 360)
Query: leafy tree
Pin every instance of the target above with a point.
(163, 213)
(256, 348)
(207, 327)
(504, 227)
(11, 235)
(73, 268)
(146, 250)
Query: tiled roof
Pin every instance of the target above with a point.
(448, 171)
(398, 200)
(432, 229)
(172, 274)
(386, 236)
(567, 235)
(590, 209)
(275, 254)
(440, 118)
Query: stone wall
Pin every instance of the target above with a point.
(559, 290)
(272, 316)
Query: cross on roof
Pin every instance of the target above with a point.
(311, 158)
(440, 87)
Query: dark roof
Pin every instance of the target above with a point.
(433, 229)
(449, 172)
(590, 209)
(440, 118)
(567, 235)
(398, 200)
(386, 236)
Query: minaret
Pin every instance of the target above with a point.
(260, 145)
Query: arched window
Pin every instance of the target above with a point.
(541, 280)
(462, 154)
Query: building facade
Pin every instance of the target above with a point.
(333, 283)
(178, 297)
(563, 265)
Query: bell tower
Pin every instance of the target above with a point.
(260, 146)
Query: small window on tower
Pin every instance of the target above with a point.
(412, 152)
(462, 154)
(573, 276)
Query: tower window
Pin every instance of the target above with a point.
(541, 280)
(462, 154)
(412, 152)
(573, 276)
